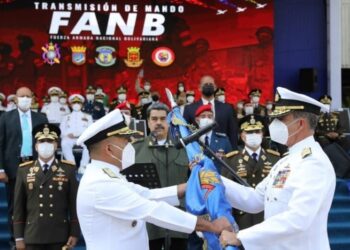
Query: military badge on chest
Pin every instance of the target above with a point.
(31, 177)
(60, 178)
(281, 177)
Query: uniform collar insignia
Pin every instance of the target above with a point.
(109, 172)
(246, 158)
(306, 152)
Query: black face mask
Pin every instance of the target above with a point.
(208, 89)
(155, 98)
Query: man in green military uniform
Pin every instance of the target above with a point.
(252, 163)
(45, 215)
(172, 167)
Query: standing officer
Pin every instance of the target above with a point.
(45, 215)
(95, 109)
(254, 96)
(297, 194)
(172, 167)
(72, 126)
(252, 163)
(54, 110)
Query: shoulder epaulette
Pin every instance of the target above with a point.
(221, 134)
(109, 172)
(285, 154)
(306, 152)
(232, 153)
(273, 152)
(68, 162)
(26, 163)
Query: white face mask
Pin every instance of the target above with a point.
(190, 99)
(122, 97)
(256, 99)
(54, 99)
(253, 140)
(46, 150)
(76, 107)
(90, 97)
(11, 105)
(144, 100)
(279, 131)
(128, 155)
(24, 103)
(147, 87)
(204, 122)
(181, 89)
(269, 106)
(63, 100)
(240, 105)
(221, 98)
(328, 106)
(248, 110)
(127, 119)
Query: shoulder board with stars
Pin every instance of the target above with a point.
(27, 163)
(109, 172)
(273, 152)
(68, 162)
(232, 153)
(306, 152)
(220, 134)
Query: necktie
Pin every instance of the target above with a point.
(26, 149)
(206, 142)
(255, 156)
(46, 168)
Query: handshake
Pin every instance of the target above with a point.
(219, 226)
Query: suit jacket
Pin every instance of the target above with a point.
(11, 140)
(45, 204)
(96, 109)
(225, 116)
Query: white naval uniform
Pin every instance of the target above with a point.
(112, 211)
(55, 111)
(296, 196)
(75, 123)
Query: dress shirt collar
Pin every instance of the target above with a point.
(250, 152)
(205, 102)
(28, 113)
(307, 142)
(48, 163)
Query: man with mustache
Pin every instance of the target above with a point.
(171, 164)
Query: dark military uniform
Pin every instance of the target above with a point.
(95, 109)
(172, 167)
(45, 204)
(328, 122)
(220, 144)
(253, 172)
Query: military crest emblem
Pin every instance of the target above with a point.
(78, 55)
(133, 59)
(105, 57)
(163, 56)
(51, 53)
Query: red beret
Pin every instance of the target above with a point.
(123, 106)
(203, 108)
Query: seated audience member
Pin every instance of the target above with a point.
(11, 102)
(72, 126)
(54, 110)
(45, 214)
(93, 108)
(254, 96)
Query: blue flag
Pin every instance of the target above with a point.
(205, 192)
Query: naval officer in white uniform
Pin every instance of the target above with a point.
(298, 192)
(112, 211)
(55, 111)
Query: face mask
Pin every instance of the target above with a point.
(46, 150)
(90, 97)
(221, 98)
(328, 106)
(63, 100)
(253, 140)
(99, 100)
(240, 105)
(147, 87)
(248, 110)
(76, 107)
(204, 122)
(190, 99)
(24, 103)
(128, 155)
(11, 105)
(144, 101)
(255, 99)
(54, 99)
(181, 89)
(122, 97)
(279, 131)
(208, 90)
(269, 106)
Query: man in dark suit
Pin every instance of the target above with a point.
(92, 107)
(223, 112)
(16, 144)
(45, 195)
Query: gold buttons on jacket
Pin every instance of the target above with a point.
(40, 196)
(41, 205)
(41, 215)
